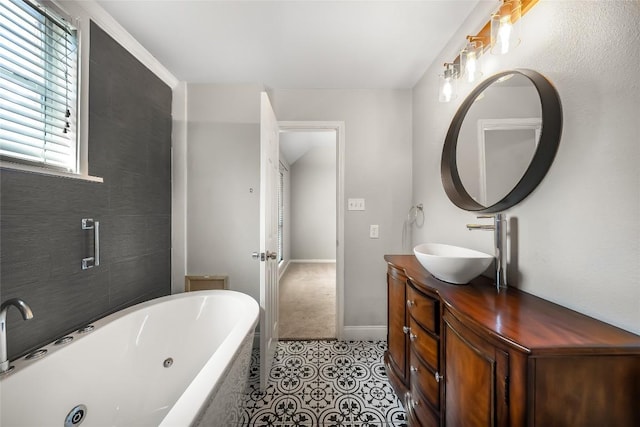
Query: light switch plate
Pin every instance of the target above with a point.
(374, 231)
(355, 204)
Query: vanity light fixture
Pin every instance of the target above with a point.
(448, 82)
(505, 27)
(469, 57)
(500, 34)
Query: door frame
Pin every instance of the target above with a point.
(338, 127)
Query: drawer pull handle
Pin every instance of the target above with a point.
(413, 369)
(438, 377)
(412, 336)
(410, 303)
(406, 329)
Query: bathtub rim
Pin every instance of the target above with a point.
(22, 363)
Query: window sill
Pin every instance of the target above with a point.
(50, 172)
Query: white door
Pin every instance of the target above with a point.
(268, 255)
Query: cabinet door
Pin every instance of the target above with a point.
(397, 342)
(585, 390)
(476, 379)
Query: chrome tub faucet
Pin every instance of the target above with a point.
(27, 314)
(497, 227)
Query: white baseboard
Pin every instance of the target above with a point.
(365, 333)
(283, 268)
(323, 261)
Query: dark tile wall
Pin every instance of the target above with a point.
(41, 242)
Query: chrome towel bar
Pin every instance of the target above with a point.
(93, 261)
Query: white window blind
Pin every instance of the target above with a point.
(281, 216)
(38, 86)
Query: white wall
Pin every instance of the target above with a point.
(313, 205)
(579, 234)
(378, 169)
(223, 165)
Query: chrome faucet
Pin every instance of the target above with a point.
(497, 225)
(27, 314)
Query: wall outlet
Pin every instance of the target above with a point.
(355, 204)
(374, 231)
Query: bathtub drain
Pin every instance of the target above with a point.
(167, 362)
(75, 416)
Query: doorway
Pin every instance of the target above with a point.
(311, 267)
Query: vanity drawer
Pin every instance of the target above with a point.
(425, 416)
(425, 380)
(423, 309)
(424, 344)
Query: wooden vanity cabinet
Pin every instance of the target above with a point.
(396, 356)
(475, 357)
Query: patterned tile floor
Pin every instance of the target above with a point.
(323, 383)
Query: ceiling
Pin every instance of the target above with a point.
(294, 145)
(321, 44)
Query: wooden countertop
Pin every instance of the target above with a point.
(519, 319)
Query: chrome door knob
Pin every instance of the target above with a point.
(272, 255)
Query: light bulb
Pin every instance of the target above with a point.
(505, 27)
(447, 90)
(504, 34)
(471, 67)
(447, 86)
(469, 57)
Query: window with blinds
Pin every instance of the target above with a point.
(38, 86)
(281, 217)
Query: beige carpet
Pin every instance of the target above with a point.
(308, 301)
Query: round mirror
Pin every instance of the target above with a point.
(501, 141)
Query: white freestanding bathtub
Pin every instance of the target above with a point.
(178, 360)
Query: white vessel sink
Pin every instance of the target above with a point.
(452, 264)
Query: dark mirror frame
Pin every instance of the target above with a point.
(540, 163)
